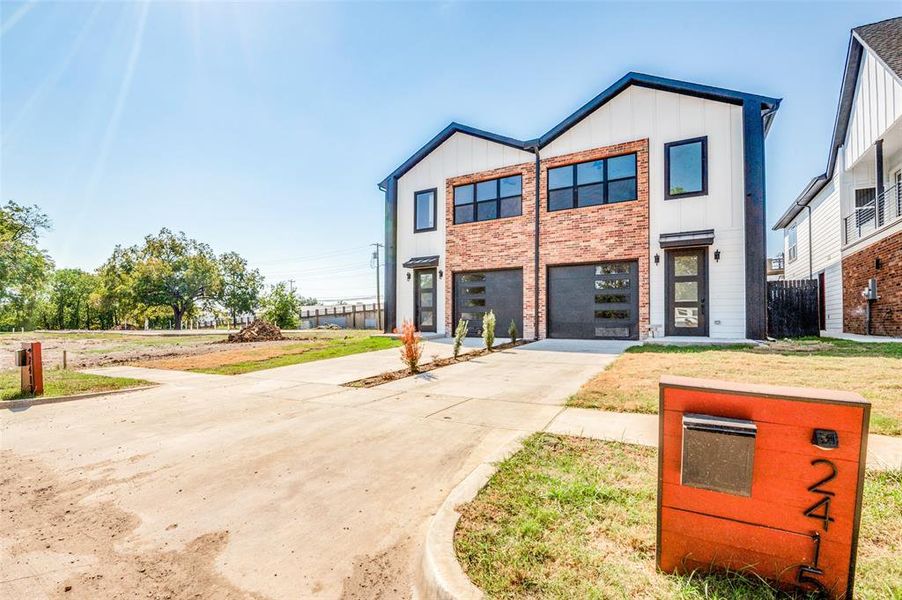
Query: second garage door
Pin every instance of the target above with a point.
(476, 293)
(598, 301)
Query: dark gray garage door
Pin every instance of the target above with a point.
(478, 292)
(599, 301)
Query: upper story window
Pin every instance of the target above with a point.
(486, 200)
(865, 206)
(686, 168)
(424, 210)
(603, 181)
(791, 242)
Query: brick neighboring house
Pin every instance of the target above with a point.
(845, 228)
(641, 214)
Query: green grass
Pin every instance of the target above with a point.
(575, 518)
(58, 382)
(630, 384)
(341, 347)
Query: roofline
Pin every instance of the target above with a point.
(769, 107)
(840, 129)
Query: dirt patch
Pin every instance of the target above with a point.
(258, 331)
(250, 352)
(47, 519)
(375, 380)
(384, 575)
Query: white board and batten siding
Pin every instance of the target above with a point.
(826, 245)
(877, 104)
(663, 117)
(461, 154)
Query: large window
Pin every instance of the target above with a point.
(424, 211)
(686, 168)
(604, 181)
(486, 200)
(791, 241)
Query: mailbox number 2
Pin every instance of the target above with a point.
(820, 510)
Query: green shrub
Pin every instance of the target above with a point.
(488, 329)
(512, 332)
(459, 335)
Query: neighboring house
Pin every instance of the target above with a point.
(775, 268)
(845, 228)
(641, 214)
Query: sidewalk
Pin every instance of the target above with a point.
(884, 451)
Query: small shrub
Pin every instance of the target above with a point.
(411, 346)
(488, 329)
(512, 332)
(459, 335)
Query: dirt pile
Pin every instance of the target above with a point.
(258, 331)
(124, 327)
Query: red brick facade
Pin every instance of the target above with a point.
(857, 269)
(581, 235)
(497, 244)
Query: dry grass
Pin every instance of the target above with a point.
(575, 518)
(58, 382)
(630, 384)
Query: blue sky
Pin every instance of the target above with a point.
(264, 127)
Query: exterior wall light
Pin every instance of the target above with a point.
(657, 258)
(408, 275)
(717, 255)
(441, 273)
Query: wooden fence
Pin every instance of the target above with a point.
(346, 316)
(792, 308)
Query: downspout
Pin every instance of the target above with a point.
(535, 303)
(810, 247)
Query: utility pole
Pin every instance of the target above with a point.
(291, 285)
(378, 297)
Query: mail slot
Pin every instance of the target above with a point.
(718, 453)
(761, 479)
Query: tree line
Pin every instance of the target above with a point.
(162, 282)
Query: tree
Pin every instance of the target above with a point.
(69, 305)
(173, 270)
(24, 267)
(282, 307)
(240, 286)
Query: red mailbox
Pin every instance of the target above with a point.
(30, 361)
(761, 478)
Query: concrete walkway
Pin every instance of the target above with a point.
(278, 483)
(884, 451)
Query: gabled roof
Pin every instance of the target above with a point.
(769, 107)
(884, 38)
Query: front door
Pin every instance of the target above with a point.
(687, 292)
(424, 299)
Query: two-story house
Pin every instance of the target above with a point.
(639, 215)
(845, 228)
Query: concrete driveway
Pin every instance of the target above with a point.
(276, 484)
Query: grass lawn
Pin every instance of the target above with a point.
(236, 359)
(630, 384)
(575, 518)
(64, 383)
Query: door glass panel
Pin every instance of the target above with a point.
(611, 298)
(474, 290)
(471, 316)
(426, 299)
(612, 268)
(685, 291)
(612, 314)
(612, 331)
(473, 277)
(684, 266)
(474, 302)
(685, 316)
(612, 284)
(426, 280)
(426, 318)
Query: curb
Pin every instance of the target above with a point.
(26, 402)
(441, 576)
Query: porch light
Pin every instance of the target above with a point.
(441, 273)
(657, 258)
(408, 275)
(717, 255)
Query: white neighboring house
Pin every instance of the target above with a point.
(845, 228)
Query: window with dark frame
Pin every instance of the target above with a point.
(424, 207)
(603, 181)
(487, 200)
(866, 206)
(686, 168)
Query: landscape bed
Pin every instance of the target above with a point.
(874, 370)
(59, 382)
(368, 382)
(571, 517)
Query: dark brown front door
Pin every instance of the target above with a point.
(424, 299)
(687, 292)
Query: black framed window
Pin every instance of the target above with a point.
(487, 200)
(424, 207)
(686, 168)
(791, 243)
(594, 182)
